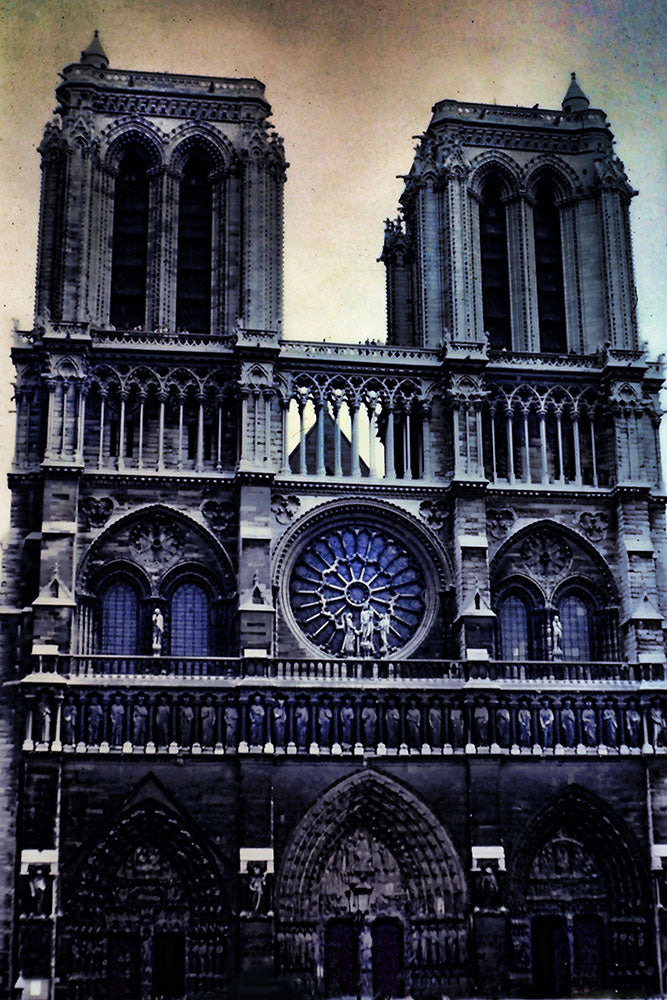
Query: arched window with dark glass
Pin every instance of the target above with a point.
(513, 628)
(120, 619)
(574, 615)
(190, 621)
(193, 286)
(130, 244)
(495, 269)
(549, 270)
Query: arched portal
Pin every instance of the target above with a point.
(579, 895)
(144, 913)
(371, 893)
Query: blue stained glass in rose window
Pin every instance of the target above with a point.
(357, 592)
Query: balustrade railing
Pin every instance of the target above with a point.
(554, 672)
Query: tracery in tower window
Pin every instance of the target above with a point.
(130, 243)
(549, 270)
(494, 260)
(193, 289)
(357, 592)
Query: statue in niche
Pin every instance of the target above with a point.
(657, 725)
(301, 716)
(489, 890)
(413, 726)
(95, 716)
(366, 629)
(256, 885)
(158, 631)
(525, 721)
(482, 725)
(366, 948)
(435, 725)
(457, 726)
(346, 723)
(567, 724)
(44, 716)
(369, 723)
(279, 722)
(231, 726)
(349, 646)
(207, 716)
(609, 726)
(384, 628)
(392, 720)
(162, 713)
(69, 721)
(38, 887)
(324, 717)
(186, 716)
(557, 637)
(589, 725)
(117, 720)
(139, 717)
(546, 720)
(503, 726)
(256, 713)
(632, 724)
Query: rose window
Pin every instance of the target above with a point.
(357, 592)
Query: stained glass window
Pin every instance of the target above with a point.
(513, 628)
(120, 619)
(574, 617)
(190, 621)
(357, 592)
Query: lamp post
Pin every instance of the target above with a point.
(358, 900)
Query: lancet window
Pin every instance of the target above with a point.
(549, 270)
(495, 270)
(190, 621)
(130, 244)
(120, 619)
(193, 287)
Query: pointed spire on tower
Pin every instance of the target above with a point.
(95, 55)
(575, 99)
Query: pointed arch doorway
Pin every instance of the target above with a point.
(371, 896)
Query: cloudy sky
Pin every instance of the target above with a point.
(350, 84)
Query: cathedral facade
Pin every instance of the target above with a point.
(344, 662)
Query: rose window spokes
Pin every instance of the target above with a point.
(357, 592)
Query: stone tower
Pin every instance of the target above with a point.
(337, 664)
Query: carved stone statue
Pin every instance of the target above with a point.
(557, 637)
(69, 721)
(632, 724)
(567, 724)
(162, 713)
(525, 726)
(324, 717)
(392, 718)
(349, 647)
(482, 725)
(231, 726)
(413, 726)
(346, 723)
(301, 716)
(158, 631)
(256, 886)
(457, 725)
(503, 726)
(489, 890)
(139, 717)
(589, 725)
(256, 715)
(186, 716)
(369, 724)
(384, 628)
(546, 719)
(207, 716)
(657, 725)
(95, 716)
(279, 722)
(44, 716)
(366, 629)
(435, 726)
(117, 720)
(38, 887)
(610, 726)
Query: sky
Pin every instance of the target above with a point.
(350, 82)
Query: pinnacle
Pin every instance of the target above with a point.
(95, 55)
(575, 99)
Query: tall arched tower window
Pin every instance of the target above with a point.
(495, 270)
(549, 270)
(130, 244)
(513, 629)
(193, 288)
(120, 619)
(190, 628)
